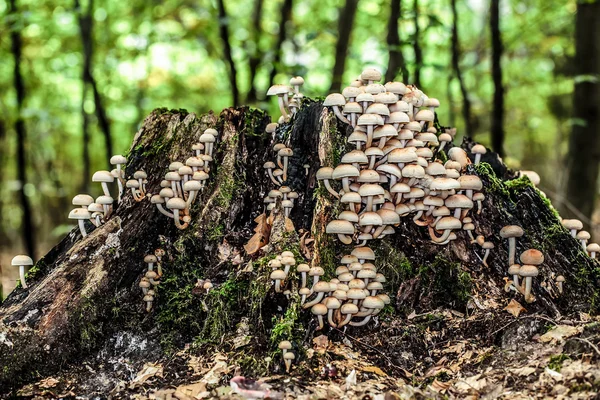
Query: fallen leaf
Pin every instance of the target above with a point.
(515, 308)
(524, 371)
(48, 383)
(217, 371)
(440, 387)
(148, 371)
(560, 332)
(320, 343)
(475, 382)
(192, 391)
(373, 369)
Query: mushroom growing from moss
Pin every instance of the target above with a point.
(583, 237)
(80, 214)
(572, 225)
(278, 276)
(478, 150)
(22, 261)
(343, 229)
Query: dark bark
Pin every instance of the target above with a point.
(85, 31)
(27, 227)
(286, 17)
(86, 26)
(497, 123)
(396, 62)
(345, 23)
(466, 103)
(84, 294)
(255, 56)
(227, 52)
(584, 147)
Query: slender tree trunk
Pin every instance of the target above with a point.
(396, 62)
(27, 227)
(417, 47)
(584, 146)
(466, 103)
(4, 240)
(85, 126)
(86, 26)
(255, 56)
(345, 23)
(224, 33)
(286, 16)
(497, 128)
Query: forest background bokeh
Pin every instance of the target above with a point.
(92, 71)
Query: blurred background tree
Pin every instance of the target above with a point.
(78, 77)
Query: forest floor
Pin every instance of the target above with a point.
(437, 355)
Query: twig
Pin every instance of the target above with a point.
(376, 350)
(592, 345)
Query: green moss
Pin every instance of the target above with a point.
(38, 270)
(215, 232)
(495, 185)
(446, 282)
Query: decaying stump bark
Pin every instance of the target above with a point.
(85, 291)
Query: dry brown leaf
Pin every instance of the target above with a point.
(515, 308)
(523, 371)
(148, 371)
(192, 391)
(321, 343)
(255, 243)
(373, 369)
(48, 383)
(475, 382)
(559, 333)
(440, 387)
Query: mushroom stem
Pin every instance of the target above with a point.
(528, 282)
(278, 285)
(511, 251)
(477, 158)
(148, 306)
(516, 283)
(330, 189)
(282, 107)
(288, 365)
(285, 168)
(320, 319)
(369, 135)
(315, 301)
(105, 189)
(441, 239)
(24, 284)
(338, 114)
(303, 279)
(163, 211)
(82, 228)
(120, 184)
(191, 198)
(178, 223)
(345, 321)
(330, 317)
(270, 172)
(344, 238)
(487, 253)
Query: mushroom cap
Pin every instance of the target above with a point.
(105, 200)
(287, 260)
(356, 293)
(319, 309)
(374, 285)
(395, 87)
(370, 119)
(349, 258)
(345, 171)
(366, 274)
(150, 258)
(95, 207)
(444, 184)
(380, 278)
(103, 176)
(488, 245)
(140, 175)
(332, 303)
(404, 155)
(278, 274)
(363, 253)
(316, 271)
(175, 165)
(176, 203)
(593, 247)
(398, 117)
(532, 175)
(376, 109)
(278, 90)
(289, 356)
(324, 173)
(148, 298)
(351, 197)
(528, 271)
(144, 283)
(117, 159)
(432, 102)
(478, 196)
(349, 216)
(79, 213)
(425, 115)
(444, 137)
(514, 269)
(286, 152)
(197, 146)
(193, 162)
(303, 268)
(151, 274)
(532, 257)
(478, 149)
(459, 201)
(132, 184)
(349, 308)
(271, 127)
(470, 182)
(351, 92)
(369, 218)
(200, 176)
(441, 212)
(345, 277)
(82, 200)
(388, 217)
(357, 136)
(21, 260)
(212, 131)
(321, 287)
(297, 81)
(285, 345)
(448, 223)
(340, 227)
(370, 189)
(355, 266)
(186, 170)
(354, 156)
(192, 185)
(572, 224)
(373, 302)
(334, 99)
(583, 235)
(166, 193)
(560, 278)
(511, 231)
(370, 74)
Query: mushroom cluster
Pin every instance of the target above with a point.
(288, 97)
(393, 170)
(182, 184)
(99, 210)
(151, 278)
(528, 269)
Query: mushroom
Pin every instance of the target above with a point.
(559, 282)
(325, 174)
(304, 292)
(342, 229)
(515, 270)
(269, 166)
(511, 232)
(478, 150)
(177, 204)
(280, 91)
(134, 185)
(103, 177)
(487, 246)
(303, 269)
(287, 359)
(583, 237)
(150, 259)
(278, 276)
(148, 298)
(284, 346)
(573, 225)
(347, 310)
(593, 248)
(336, 100)
(443, 139)
(144, 285)
(319, 310)
(80, 214)
(320, 288)
(22, 261)
(118, 160)
(528, 272)
(285, 153)
(446, 224)
(159, 253)
(159, 201)
(82, 200)
(371, 303)
(316, 272)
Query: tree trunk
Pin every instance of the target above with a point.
(27, 227)
(396, 61)
(286, 16)
(417, 46)
(256, 55)
(83, 299)
(584, 147)
(497, 123)
(345, 23)
(227, 52)
(466, 106)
